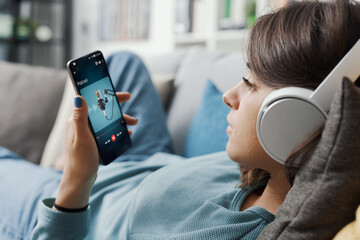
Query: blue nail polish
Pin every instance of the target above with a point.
(78, 102)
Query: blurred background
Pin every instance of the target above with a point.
(50, 32)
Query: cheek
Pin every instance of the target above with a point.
(243, 145)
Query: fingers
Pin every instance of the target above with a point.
(80, 116)
(123, 96)
(130, 132)
(129, 120)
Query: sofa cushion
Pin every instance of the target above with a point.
(225, 70)
(30, 97)
(326, 190)
(164, 64)
(207, 132)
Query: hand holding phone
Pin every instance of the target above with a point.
(91, 79)
(80, 151)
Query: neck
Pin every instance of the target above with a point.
(275, 191)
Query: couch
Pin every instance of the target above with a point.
(37, 102)
(44, 99)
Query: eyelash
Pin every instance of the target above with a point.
(248, 83)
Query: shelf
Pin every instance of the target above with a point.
(162, 24)
(204, 18)
(28, 19)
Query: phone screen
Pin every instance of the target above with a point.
(92, 81)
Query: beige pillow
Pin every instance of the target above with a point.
(55, 143)
(164, 85)
(350, 231)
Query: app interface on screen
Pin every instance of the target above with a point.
(95, 86)
(101, 101)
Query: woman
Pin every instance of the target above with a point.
(165, 196)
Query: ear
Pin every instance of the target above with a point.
(287, 118)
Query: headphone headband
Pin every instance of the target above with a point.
(289, 116)
(324, 93)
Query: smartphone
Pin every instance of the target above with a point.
(90, 77)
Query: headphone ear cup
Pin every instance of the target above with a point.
(285, 123)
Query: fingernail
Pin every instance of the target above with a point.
(78, 102)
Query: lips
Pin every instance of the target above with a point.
(229, 128)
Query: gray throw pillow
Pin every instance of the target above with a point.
(29, 99)
(326, 190)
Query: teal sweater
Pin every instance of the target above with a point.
(164, 197)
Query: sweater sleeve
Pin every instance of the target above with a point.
(53, 224)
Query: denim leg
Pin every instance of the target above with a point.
(151, 134)
(22, 185)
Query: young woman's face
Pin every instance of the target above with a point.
(245, 100)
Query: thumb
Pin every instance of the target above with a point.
(80, 116)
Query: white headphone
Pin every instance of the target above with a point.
(289, 116)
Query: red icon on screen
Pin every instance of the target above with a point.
(113, 138)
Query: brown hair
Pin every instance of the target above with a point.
(299, 45)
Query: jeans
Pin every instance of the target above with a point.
(24, 184)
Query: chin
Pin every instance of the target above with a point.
(234, 152)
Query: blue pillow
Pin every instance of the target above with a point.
(207, 132)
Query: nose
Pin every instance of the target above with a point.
(230, 98)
